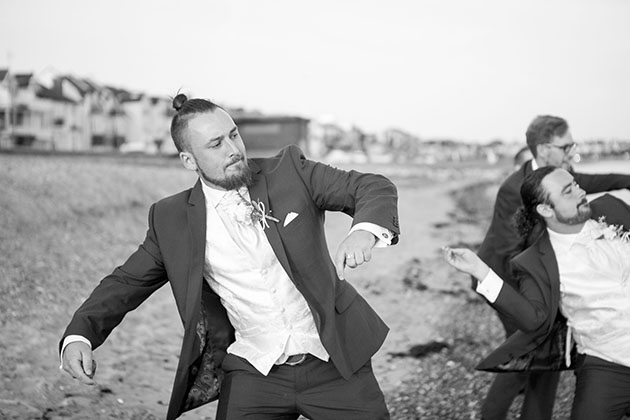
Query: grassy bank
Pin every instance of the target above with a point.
(65, 221)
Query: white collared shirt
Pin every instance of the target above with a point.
(271, 318)
(535, 164)
(594, 291)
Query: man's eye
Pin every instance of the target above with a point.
(215, 144)
(234, 135)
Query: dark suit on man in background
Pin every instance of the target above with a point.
(173, 252)
(537, 272)
(501, 243)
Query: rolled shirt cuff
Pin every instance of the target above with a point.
(490, 286)
(383, 235)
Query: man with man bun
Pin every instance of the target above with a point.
(272, 328)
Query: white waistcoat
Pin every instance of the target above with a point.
(595, 291)
(270, 316)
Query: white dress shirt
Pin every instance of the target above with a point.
(594, 290)
(271, 318)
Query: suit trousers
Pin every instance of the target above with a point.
(314, 389)
(602, 390)
(539, 389)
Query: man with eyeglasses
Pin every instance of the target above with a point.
(551, 143)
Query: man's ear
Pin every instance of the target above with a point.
(541, 153)
(188, 160)
(544, 210)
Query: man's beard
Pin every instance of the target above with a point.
(231, 182)
(583, 214)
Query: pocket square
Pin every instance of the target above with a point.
(289, 218)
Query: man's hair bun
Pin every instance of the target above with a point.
(179, 101)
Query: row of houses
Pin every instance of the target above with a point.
(63, 112)
(60, 112)
(69, 113)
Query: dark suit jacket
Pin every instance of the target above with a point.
(173, 251)
(534, 305)
(503, 242)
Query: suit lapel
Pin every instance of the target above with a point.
(550, 264)
(527, 168)
(259, 192)
(197, 234)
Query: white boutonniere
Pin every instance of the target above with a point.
(260, 215)
(243, 213)
(610, 232)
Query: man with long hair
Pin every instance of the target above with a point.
(578, 269)
(551, 143)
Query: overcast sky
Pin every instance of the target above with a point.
(471, 70)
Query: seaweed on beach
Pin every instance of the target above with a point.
(422, 350)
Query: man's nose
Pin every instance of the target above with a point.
(234, 149)
(581, 192)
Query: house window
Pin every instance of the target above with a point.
(19, 118)
(25, 141)
(98, 140)
(118, 140)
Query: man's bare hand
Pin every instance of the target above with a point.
(355, 250)
(465, 260)
(77, 360)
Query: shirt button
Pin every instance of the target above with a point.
(263, 272)
(283, 310)
(274, 290)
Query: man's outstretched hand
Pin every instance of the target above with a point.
(77, 360)
(465, 260)
(355, 250)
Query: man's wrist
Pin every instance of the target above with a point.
(69, 340)
(382, 236)
(481, 271)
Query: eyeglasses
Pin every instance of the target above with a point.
(566, 148)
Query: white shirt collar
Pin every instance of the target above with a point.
(561, 242)
(213, 196)
(535, 164)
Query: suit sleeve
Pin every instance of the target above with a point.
(614, 210)
(596, 183)
(365, 197)
(526, 306)
(502, 242)
(120, 292)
